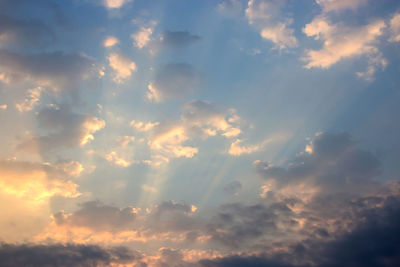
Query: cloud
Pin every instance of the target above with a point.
(110, 41)
(236, 149)
(371, 241)
(342, 42)
(122, 66)
(233, 187)
(99, 217)
(199, 119)
(339, 5)
(37, 182)
(239, 225)
(125, 140)
(205, 119)
(32, 99)
(57, 69)
(63, 255)
(178, 39)
(395, 28)
(142, 126)
(230, 7)
(3, 107)
(117, 160)
(115, 4)
(173, 80)
(142, 37)
(171, 216)
(64, 128)
(168, 141)
(265, 15)
(331, 164)
(25, 33)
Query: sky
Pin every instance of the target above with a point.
(200, 133)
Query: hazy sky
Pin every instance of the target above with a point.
(200, 133)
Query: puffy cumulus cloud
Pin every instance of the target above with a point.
(178, 39)
(236, 149)
(173, 80)
(25, 33)
(332, 163)
(206, 119)
(115, 4)
(265, 15)
(65, 255)
(57, 69)
(143, 36)
(199, 119)
(122, 66)
(98, 216)
(342, 42)
(64, 128)
(110, 41)
(168, 140)
(115, 159)
(32, 99)
(395, 28)
(339, 5)
(143, 126)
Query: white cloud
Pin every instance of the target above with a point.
(112, 4)
(266, 16)
(122, 66)
(110, 41)
(342, 42)
(142, 37)
(395, 28)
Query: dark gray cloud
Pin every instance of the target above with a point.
(61, 127)
(56, 69)
(372, 243)
(178, 39)
(332, 163)
(62, 255)
(232, 187)
(98, 216)
(239, 226)
(24, 33)
(172, 216)
(173, 80)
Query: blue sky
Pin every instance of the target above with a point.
(198, 133)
